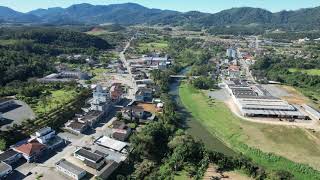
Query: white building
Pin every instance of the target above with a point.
(231, 53)
(44, 135)
(101, 100)
(70, 169)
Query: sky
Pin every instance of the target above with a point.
(210, 6)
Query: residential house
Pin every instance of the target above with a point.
(70, 169)
(116, 92)
(144, 95)
(31, 151)
(120, 131)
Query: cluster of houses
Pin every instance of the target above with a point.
(41, 143)
(100, 105)
(101, 159)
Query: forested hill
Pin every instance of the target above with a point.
(31, 52)
(130, 13)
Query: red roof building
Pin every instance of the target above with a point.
(31, 151)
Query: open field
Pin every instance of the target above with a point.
(247, 137)
(154, 46)
(313, 72)
(56, 99)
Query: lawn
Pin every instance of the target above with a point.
(313, 72)
(246, 137)
(54, 100)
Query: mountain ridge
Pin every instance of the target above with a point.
(132, 13)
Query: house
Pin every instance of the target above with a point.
(91, 159)
(70, 169)
(133, 112)
(48, 137)
(120, 131)
(10, 156)
(31, 151)
(100, 100)
(44, 135)
(116, 92)
(5, 170)
(76, 127)
(143, 95)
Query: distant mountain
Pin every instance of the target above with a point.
(10, 15)
(130, 13)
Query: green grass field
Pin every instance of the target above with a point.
(54, 100)
(313, 72)
(154, 46)
(246, 137)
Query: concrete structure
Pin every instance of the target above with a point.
(91, 159)
(231, 53)
(65, 76)
(110, 143)
(255, 101)
(313, 112)
(44, 135)
(101, 100)
(5, 170)
(70, 169)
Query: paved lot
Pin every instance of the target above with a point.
(220, 95)
(17, 115)
(276, 91)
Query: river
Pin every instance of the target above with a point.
(194, 127)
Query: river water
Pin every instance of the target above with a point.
(194, 127)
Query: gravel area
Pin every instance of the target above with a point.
(276, 91)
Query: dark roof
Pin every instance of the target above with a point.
(2, 100)
(7, 154)
(77, 125)
(118, 124)
(89, 155)
(119, 136)
(108, 169)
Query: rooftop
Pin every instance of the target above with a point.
(89, 155)
(7, 154)
(4, 167)
(30, 148)
(70, 167)
(111, 143)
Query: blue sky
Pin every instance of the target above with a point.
(180, 5)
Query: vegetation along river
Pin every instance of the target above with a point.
(194, 127)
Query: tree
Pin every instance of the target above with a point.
(3, 144)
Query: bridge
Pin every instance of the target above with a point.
(178, 76)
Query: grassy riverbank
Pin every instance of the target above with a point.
(247, 137)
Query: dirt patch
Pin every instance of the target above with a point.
(149, 107)
(212, 172)
(295, 97)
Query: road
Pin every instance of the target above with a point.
(129, 79)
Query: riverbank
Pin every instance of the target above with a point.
(248, 138)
